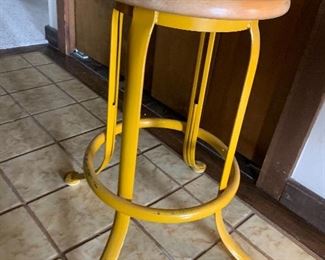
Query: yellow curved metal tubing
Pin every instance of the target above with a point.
(139, 36)
(255, 50)
(141, 28)
(125, 206)
(196, 104)
(73, 178)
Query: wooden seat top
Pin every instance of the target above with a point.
(217, 9)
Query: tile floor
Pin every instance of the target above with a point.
(47, 118)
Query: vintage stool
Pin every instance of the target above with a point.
(208, 17)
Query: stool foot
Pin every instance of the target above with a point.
(199, 167)
(116, 239)
(73, 178)
(227, 240)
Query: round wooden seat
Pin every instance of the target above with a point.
(217, 9)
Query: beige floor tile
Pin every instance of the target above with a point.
(183, 241)
(150, 185)
(20, 137)
(13, 63)
(171, 163)
(2, 92)
(21, 239)
(55, 72)
(9, 110)
(205, 189)
(42, 99)
(216, 253)
(77, 90)
(98, 107)
(72, 214)
(147, 140)
(77, 146)
(37, 58)
(220, 252)
(39, 172)
(236, 212)
(68, 121)
(8, 198)
(271, 241)
(22, 79)
(137, 246)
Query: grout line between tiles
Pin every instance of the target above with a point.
(165, 251)
(170, 175)
(94, 236)
(82, 105)
(246, 239)
(11, 209)
(33, 216)
(252, 245)
(25, 89)
(244, 220)
(14, 70)
(57, 85)
(46, 194)
(14, 120)
(52, 109)
(25, 153)
(206, 250)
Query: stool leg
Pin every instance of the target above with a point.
(73, 178)
(255, 49)
(231, 245)
(196, 104)
(227, 240)
(141, 28)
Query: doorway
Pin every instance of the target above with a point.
(22, 23)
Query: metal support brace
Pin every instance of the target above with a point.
(196, 104)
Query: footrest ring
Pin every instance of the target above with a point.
(156, 214)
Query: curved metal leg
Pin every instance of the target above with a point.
(115, 242)
(196, 104)
(73, 178)
(140, 32)
(255, 50)
(228, 241)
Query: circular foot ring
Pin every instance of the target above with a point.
(156, 214)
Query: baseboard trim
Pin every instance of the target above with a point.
(19, 50)
(51, 34)
(305, 203)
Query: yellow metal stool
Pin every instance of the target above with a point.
(208, 17)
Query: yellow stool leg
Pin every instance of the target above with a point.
(231, 245)
(228, 241)
(73, 178)
(253, 60)
(141, 28)
(196, 104)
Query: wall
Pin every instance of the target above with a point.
(53, 17)
(310, 168)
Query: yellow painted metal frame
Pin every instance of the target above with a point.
(142, 25)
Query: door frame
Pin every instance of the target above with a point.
(293, 129)
(66, 25)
